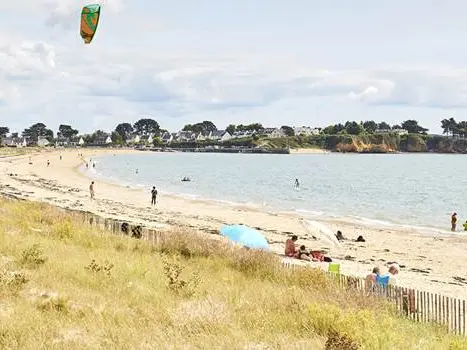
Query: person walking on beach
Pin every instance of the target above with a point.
(154, 196)
(48, 163)
(453, 222)
(91, 190)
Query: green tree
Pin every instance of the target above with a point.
(384, 126)
(204, 127)
(449, 126)
(157, 141)
(231, 129)
(412, 127)
(287, 130)
(144, 127)
(353, 128)
(67, 131)
(4, 131)
(370, 126)
(117, 138)
(36, 130)
(124, 130)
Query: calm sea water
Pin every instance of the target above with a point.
(404, 189)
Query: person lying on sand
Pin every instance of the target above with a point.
(319, 256)
(290, 249)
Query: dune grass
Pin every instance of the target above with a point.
(66, 285)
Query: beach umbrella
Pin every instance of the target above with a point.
(245, 236)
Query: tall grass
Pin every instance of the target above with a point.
(66, 285)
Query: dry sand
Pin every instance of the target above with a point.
(434, 263)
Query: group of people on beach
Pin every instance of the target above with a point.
(302, 253)
(454, 223)
(393, 271)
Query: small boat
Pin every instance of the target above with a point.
(186, 179)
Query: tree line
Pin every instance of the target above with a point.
(455, 129)
(147, 126)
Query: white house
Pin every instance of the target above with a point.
(14, 142)
(241, 134)
(220, 135)
(167, 137)
(185, 136)
(305, 131)
(275, 133)
(392, 131)
(42, 141)
(81, 141)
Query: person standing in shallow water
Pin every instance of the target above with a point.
(453, 222)
(154, 196)
(297, 184)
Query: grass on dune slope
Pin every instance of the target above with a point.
(65, 285)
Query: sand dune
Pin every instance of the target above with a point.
(428, 262)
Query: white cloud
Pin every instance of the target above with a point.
(132, 69)
(101, 89)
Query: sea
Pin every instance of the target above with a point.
(412, 191)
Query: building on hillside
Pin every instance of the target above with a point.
(243, 134)
(392, 131)
(306, 131)
(103, 140)
(66, 141)
(271, 132)
(185, 136)
(18, 142)
(167, 137)
(220, 135)
(42, 141)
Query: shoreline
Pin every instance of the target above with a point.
(432, 262)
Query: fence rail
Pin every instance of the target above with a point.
(419, 306)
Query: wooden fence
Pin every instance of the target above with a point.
(419, 306)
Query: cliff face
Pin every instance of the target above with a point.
(377, 143)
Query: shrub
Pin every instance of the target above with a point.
(94, 266)
(33, 256)
(173, 271)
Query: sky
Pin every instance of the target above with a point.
(297, 62)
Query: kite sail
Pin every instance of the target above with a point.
(89, 21)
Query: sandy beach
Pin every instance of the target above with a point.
(432, 263)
